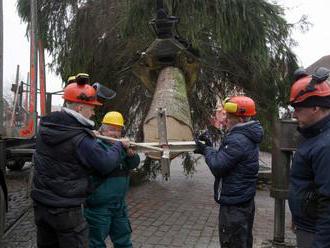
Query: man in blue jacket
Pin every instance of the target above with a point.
(309, 192)
(67, 153)
(235, 168)
(106, 210)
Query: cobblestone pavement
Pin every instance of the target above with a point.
(19, 199)
(19, 225)
(175, 213)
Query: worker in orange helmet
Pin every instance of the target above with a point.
(235, 167)
(309, 191)
(67, 154)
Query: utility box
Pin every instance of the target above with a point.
(285, 140)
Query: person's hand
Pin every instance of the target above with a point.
(202, 141)
(200, 147)
(130, 152)
(206, 138)
(96, 133)
(125, 143)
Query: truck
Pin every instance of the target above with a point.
(17, 140)
(17, 143)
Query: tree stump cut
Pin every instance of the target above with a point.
(171, 95)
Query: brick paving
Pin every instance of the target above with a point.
(180, 212)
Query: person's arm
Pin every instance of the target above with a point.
(222, 161)
(93, 155)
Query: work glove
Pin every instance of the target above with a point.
(200, 147)
(202, 141)
(205, 137)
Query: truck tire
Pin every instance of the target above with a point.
(16, 164)
(2, 212)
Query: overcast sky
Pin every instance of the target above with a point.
(312, 45)
(315, 43)
(17, 51)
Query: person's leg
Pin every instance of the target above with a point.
(304, 239)
(224, 228)
(46, 235)
(71, 227)
(120, 230)
(234, 226)
(99, 221)
(250, 213)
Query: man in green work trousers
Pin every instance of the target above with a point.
(106, 209)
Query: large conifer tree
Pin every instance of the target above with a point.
(240, 43)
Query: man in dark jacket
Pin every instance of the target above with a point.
(106, 211)
(235, 168)
(65, 157)
(309, 192)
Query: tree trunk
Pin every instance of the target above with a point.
(171, 95)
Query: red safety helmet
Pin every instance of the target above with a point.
(240, 106)
(81, 93)
(307, 86)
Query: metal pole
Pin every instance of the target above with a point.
(33, 62)
(15, 98)
(48, 103)
(42, 77)
(162, 134)
(26, 97)
(279, 221)
(153, 148)
(1, 69)
(20, 91)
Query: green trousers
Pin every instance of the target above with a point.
(110, 220)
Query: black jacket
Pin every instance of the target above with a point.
(310, 172)
(64, 148)
(235, 165)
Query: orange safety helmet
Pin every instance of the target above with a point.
(81, 93)
(307, 86)
(240, 106)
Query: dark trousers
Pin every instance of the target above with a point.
(304, 239)
(235, 225)
(111, 220)
(60, 227)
